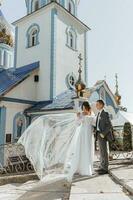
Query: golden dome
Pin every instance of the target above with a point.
(6, 31)
(80, 85)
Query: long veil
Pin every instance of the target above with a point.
(47, 144)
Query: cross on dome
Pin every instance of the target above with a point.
(80, 59)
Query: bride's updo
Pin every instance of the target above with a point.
(86, 105)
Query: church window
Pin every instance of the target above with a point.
(33, 36)
(35, 5)
(71, 81)
(71, 38)
(71, 7)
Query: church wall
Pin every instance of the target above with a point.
(8, 111)
(11, 110)
(67, 58)
(26, 90)
(41, 52)
(56, 58)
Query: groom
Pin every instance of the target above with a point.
(104, 133)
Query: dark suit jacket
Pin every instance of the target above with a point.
(105, 126)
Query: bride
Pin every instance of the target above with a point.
(61, 145)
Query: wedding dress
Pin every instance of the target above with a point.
(60, 145)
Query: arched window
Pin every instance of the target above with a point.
(71, 81)
(71, 38)
(33, 36)
(71, 7)
(35, 5)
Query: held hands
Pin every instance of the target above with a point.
(102, 136)
(78, 114)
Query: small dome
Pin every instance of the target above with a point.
(6, 31)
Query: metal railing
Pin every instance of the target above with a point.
(13, 159)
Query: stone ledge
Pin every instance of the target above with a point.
(123, 177)
(17, 178)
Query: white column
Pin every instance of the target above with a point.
(0, 57)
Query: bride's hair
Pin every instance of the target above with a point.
(86, 105)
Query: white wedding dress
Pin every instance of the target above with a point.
(59, 146)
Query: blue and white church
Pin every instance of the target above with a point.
(41, 80)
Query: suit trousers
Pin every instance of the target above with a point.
(103, 152)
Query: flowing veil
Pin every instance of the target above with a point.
(47, 141)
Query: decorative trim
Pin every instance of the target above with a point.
(2, 132)
(71, 30)
(31, 5)
(28, 34)
(102, 94)
(58, 6)
(71, 48)
(28, 6)
(86, 60)
(76, 8)
(53, 54)
(14, 100)
(68, 84)
(63, 3)
(73, 7)
(16, 47)
(43, 3)
(2, 124)
(109, 92)
(48, 111)
(7, 47)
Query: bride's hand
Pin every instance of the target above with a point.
(78, 114)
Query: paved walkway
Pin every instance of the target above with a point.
(117, 186)
(123, 174)
(97, 188)
(56, 191)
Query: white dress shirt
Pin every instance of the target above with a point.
(99, 115)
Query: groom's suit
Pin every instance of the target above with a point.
(104, 133)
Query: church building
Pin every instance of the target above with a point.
(46, 46)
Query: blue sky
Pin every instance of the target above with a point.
(110, 41)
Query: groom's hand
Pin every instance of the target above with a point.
(101, 135)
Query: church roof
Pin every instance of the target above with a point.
(10, 78)
(61, 102)
(64, 100)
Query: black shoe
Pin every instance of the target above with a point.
(100, 169)
(101, 172)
